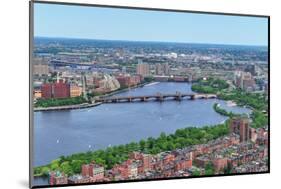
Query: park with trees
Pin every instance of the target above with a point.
(255, 101)
(185, 137)
(117, 154)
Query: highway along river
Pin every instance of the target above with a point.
(58, 133)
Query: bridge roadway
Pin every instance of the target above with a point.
(59, 63)
(158, 97)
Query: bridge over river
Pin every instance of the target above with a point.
(157, 97)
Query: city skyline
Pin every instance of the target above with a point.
(136, 41)
(163, 26)
(128, 95)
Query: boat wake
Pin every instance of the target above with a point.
(150, 84)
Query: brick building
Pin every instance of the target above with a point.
(47, 90)
(241, 127)
(128, 81)
(61, 90)
(95, 171)
(219, 163)
(57, 178)
(143, 69)
(183, 164)
(55, 90)
(146, 159)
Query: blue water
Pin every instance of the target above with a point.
(60, 133)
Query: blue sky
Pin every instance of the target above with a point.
(52, 20)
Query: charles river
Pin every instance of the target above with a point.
(58, 133)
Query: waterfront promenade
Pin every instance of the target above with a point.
(86, 105)
(69, 107)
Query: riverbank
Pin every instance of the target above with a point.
(124, 90)
(223, 112)
(68, 107)
(181, 138)
(87, 105)
(254, 101)
(95, 125)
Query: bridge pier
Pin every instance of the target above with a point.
(159, 97)
(192, 97)
(143, 99)
(178, 96)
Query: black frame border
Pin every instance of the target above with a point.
(31, 36)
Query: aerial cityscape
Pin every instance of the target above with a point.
(121, 109)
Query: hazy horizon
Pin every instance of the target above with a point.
(136, 41)
(103, 23)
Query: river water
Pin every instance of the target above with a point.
(58, 133)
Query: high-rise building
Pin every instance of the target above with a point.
(61, 90)
(158, 69)
(251, 68)
(249, 84)
(55, 90)
(166, 68)
(162, 69)
(47, 90)
(40, 69)
(241, 127)
(143, 69)
(245, 81)
(40, 66)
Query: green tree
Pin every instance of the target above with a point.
(55, 164)
(45, 171)
(196, 173)
(142, 145)
(209, 169)
(66, 168)
(76, 166)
